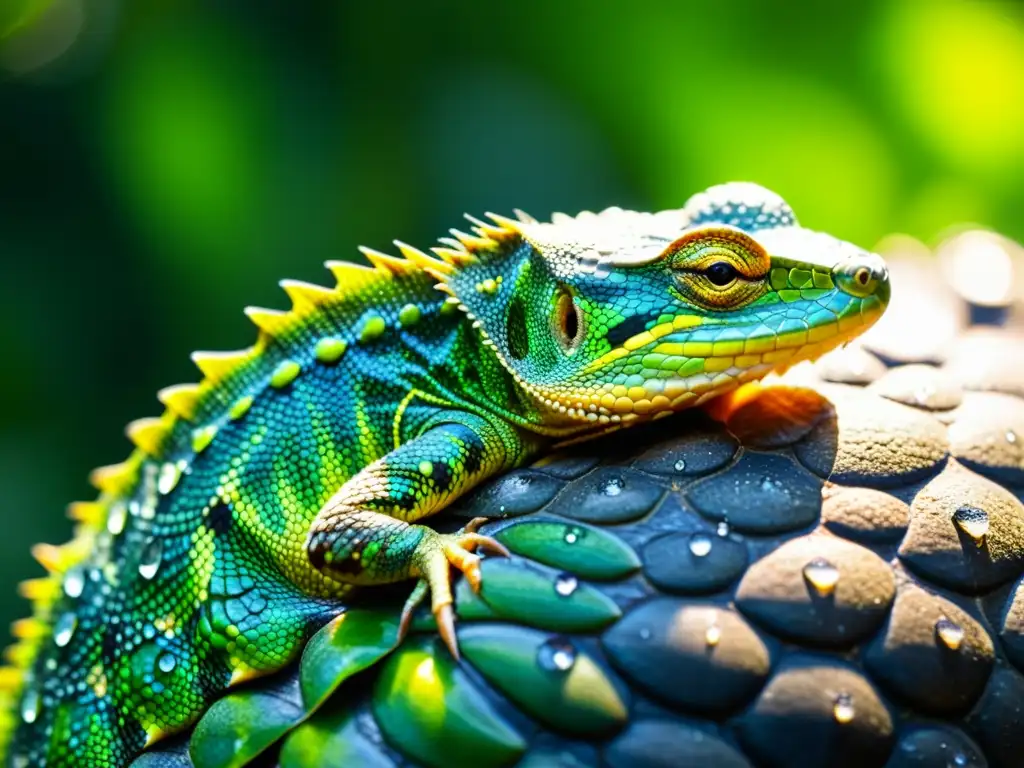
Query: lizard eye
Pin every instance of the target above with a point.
(566, 322)
(721, 273)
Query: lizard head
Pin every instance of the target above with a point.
(619, 316)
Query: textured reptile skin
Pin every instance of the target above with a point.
(831, 577)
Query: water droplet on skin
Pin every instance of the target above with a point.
(149, 563)
(973, 522)
(572, 535)
(680, 465)
(566, 584)
(949, 633)
(700, 544)
(612, 488)
(74, 583)
(30, 706)
(723, 529)
(556, 655)
(166, 663)
(821, 575)
(1011, 436)
(712, 635)
(842, 709)
(64, 629)
(170, 474)
(116, 519)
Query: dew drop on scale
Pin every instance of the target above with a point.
(949, 633)
(680, 465)
(700, 544)
(30, 706)
(972, 521)
(74, 583)
(572, 535)
(613, 487)
(167, 663)
(149, 563)
(64, 628)
(116, 518)
(556, 655)
(842, 708)
(565, 584)
(821, 575)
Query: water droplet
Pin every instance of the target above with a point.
(680, 465)
(821, 575)
(64, 628)
(170, 474)
(30, 706)
(767, 484)
(713, 634)
(950, 633)
(166, 663)
(572, 535)
(700, 544)
(74, 583)
(149, 563)
(116, 518)
(556, 655)
(566, 584)
(723, 529)
(612, 488)
(973, 522)
(842, 709)
(1011, 436)
(959, 759)
(645, 633)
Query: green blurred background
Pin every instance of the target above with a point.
(163, 164)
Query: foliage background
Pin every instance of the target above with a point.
(163, 164)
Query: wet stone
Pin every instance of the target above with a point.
(965, 532)
(863, 514)
(931, 654)
(817, 712)
(919, 386)
(873, 442)
(568, 466)
(609, 495)
(695, 563)
(761, 493)
(987, 436)
(696, 452)
(818, 590)
(996, 720)
(587, 551)
(936, 747)
(850, 365)
(670, 744)
(691, 654)
(514, 494)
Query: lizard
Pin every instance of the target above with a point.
(302, 467)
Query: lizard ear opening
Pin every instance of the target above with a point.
(567, 321)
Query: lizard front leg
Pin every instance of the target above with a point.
(366, 533)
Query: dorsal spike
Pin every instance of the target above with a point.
(217, 365)
(181, 399)
(524, 217)
(561, 218)
(113, 478)
(148, 434)
(306, 295)
(470, 242)
(451, 242)
(506, 226)
(22, 653)
(455, 258)
(11, 678)
(90, 513)
(474, 220)
(42, 590)
(272, 322)
(389, 265)
(351, 277)
(50, 556)
(424, 261)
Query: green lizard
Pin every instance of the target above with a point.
(302, 466)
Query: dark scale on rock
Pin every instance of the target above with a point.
(670, 744)
(698, 451)
(567, 466)
(514, 494)
(863, 514)
(996, 720)
(919, 386)
(697, 563)
(932, 653)
(936, 746)
(609, 495)
(818, 712)
(873, 442)
(762, 493)
(695, 655)
(965, 532)
(818, 590)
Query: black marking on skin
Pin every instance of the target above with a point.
(220, 518)
(517, 338)
(627, 329)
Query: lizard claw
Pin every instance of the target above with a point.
(414, 601)
(474, 525)
(445, 618)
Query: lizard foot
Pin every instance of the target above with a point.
(434, 556)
